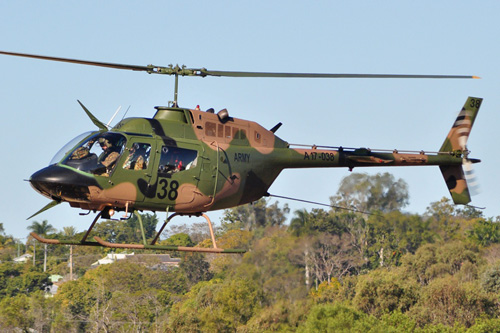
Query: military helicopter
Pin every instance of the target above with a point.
(187, 161)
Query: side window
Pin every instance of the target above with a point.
(220, 130)
(210, 128)
(174, 159)
(138, 158)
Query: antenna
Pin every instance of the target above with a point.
(125, 113)
(116, 112)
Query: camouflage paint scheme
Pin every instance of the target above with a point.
(236, 163)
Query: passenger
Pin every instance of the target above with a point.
(136, 158)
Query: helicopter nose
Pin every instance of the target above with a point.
(61, 183)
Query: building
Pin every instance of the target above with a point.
(154, 261)
(23, 259)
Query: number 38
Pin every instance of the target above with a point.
(165, 190)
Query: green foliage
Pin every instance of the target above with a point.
(317, 221)
(336, 318)
(485, 232)
(41, 228)
(443, 219)
(484, 325)
(216, 306)
(8, 245)
(181, 239)
(326, 291)
(256, 215)
(120, 297)
(275, 265)
(332, 256)
(432, 261)
(21, 279)
(27, 313)
(127, 231)
(490, 279)
(447, 301)
(393, 234)
(282, 316)
(195, 268)
(232, 239)
(327, 271)
(384, 291)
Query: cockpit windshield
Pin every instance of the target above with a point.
(98, 154)
(68, 147)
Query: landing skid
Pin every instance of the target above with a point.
(145, 245)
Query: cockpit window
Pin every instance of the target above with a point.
(68, 147)
(98, 154)
(175, 159)
(138, 157)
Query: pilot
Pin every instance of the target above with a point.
(82, 152)
(109, 156)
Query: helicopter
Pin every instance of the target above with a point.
(185, 161)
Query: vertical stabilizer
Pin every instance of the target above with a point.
(456, 143)
(459, 133)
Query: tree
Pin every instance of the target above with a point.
(300, 223)
(485, 232)
(42, 229)
(333, 256)
(432, 261)
(384, 291)
(17, 279)
(256, 215)
(449, 302)
(371, 192)
(393, 234)
(490, 279)
(195, 267)
(123, 296)
(127, 231)
(217, 306)
(338, 318)
(317, 221)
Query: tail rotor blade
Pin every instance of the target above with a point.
(471, 178)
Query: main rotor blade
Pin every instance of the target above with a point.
(333, 75)
(82, 62)
(183, 71)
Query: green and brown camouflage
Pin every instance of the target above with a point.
(231, 162)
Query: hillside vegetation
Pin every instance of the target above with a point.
(377, 269)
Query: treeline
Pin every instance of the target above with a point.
(375, 269)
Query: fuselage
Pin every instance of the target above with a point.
(190, 161)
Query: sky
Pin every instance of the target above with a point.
(40, 113)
